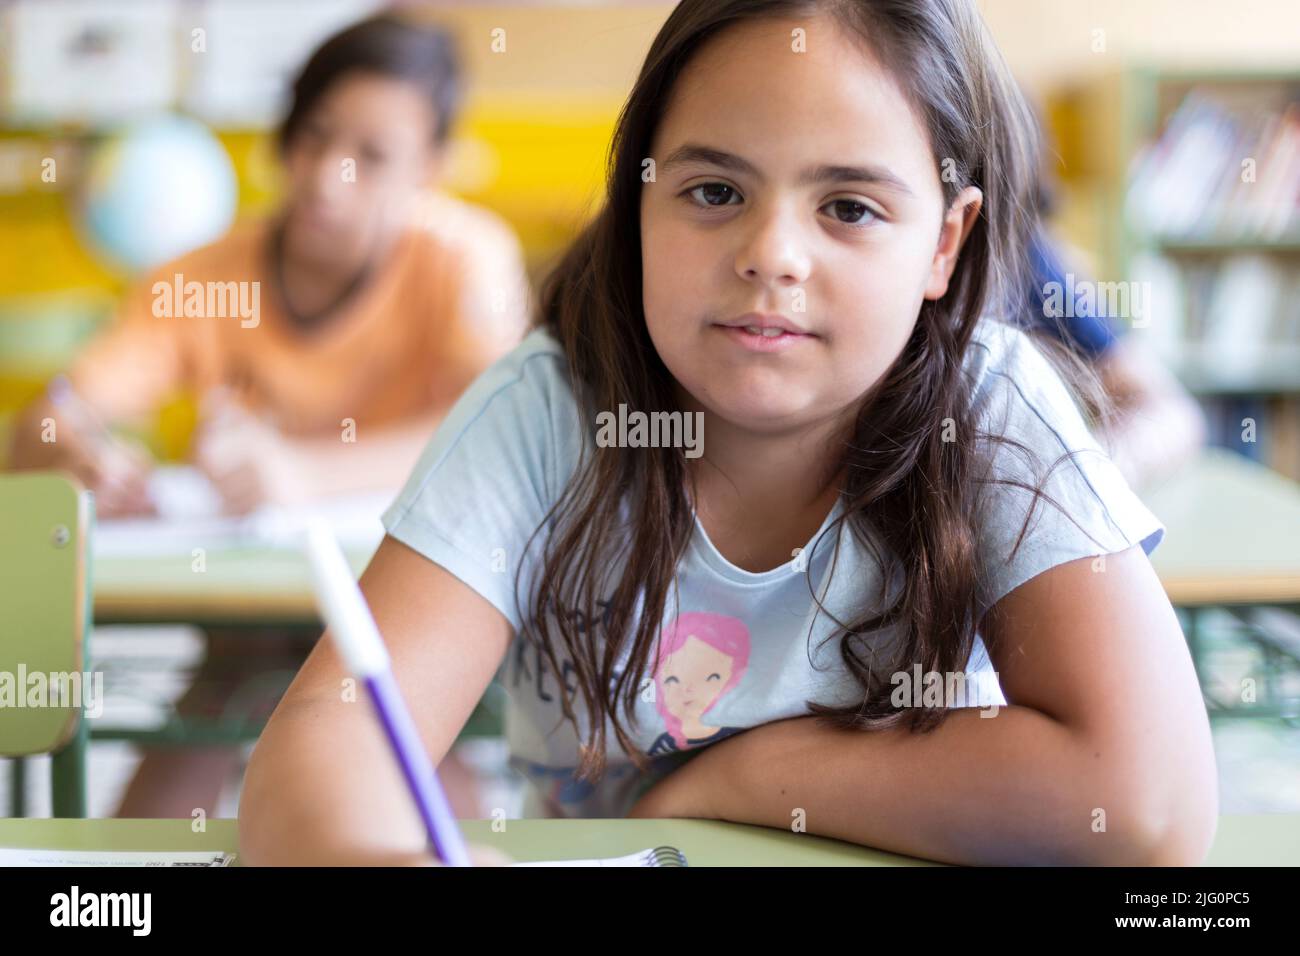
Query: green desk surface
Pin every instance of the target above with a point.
(1233, 533)
(1232, 538)
(241, 587)
(1254, 840)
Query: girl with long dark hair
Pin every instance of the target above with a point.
(897, 595)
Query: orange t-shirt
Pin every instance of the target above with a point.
(449, 298)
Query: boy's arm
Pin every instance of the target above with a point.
(252, 463)
(1103, 757)
(380, 459)
(119, 378)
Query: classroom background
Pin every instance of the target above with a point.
(137, 129)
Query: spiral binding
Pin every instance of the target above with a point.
(664, 856)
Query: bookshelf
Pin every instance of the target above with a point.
(1197, 175)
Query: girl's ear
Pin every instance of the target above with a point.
(956, 227)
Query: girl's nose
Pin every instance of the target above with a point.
(774, 253)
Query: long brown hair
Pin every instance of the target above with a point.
(910, 495)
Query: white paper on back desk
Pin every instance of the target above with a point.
(189, 516)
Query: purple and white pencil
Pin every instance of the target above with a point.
(358, 640)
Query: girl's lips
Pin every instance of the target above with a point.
(763, 343)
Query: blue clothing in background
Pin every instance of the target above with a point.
(1085, 326)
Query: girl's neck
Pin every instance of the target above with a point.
(795, 469)
(761, 496)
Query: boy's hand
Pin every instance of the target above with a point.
(118, 473)
(248, 461)
(116, 470)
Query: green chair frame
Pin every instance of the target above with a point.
(46, 521)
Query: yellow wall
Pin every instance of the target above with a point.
(533, 139)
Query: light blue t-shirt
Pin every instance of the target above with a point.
(737, 649)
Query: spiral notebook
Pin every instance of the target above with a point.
(655, 856)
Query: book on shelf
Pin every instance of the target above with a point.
(1220, 171)
(1229, 316)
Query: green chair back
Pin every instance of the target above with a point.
(45, 618)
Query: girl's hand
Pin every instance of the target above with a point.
(694, 789)
(479, 855)
(488, 856)
(665, 799)
(706, 787)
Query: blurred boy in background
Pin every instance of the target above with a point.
(379, 299)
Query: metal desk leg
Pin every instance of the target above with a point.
(18, 787)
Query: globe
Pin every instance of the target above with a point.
(155, 191)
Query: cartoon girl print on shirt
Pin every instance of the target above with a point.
(701, 657)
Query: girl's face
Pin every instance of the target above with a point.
(338, 211)
(693, 677)
(800, 187)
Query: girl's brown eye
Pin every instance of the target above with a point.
(850, 212)
(715, 191)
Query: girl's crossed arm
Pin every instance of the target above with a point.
(1103, 757)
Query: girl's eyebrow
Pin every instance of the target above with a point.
(690, 153)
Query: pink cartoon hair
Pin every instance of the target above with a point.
(726, 634)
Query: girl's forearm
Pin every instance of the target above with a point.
(1015, 788)
(321, 790)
